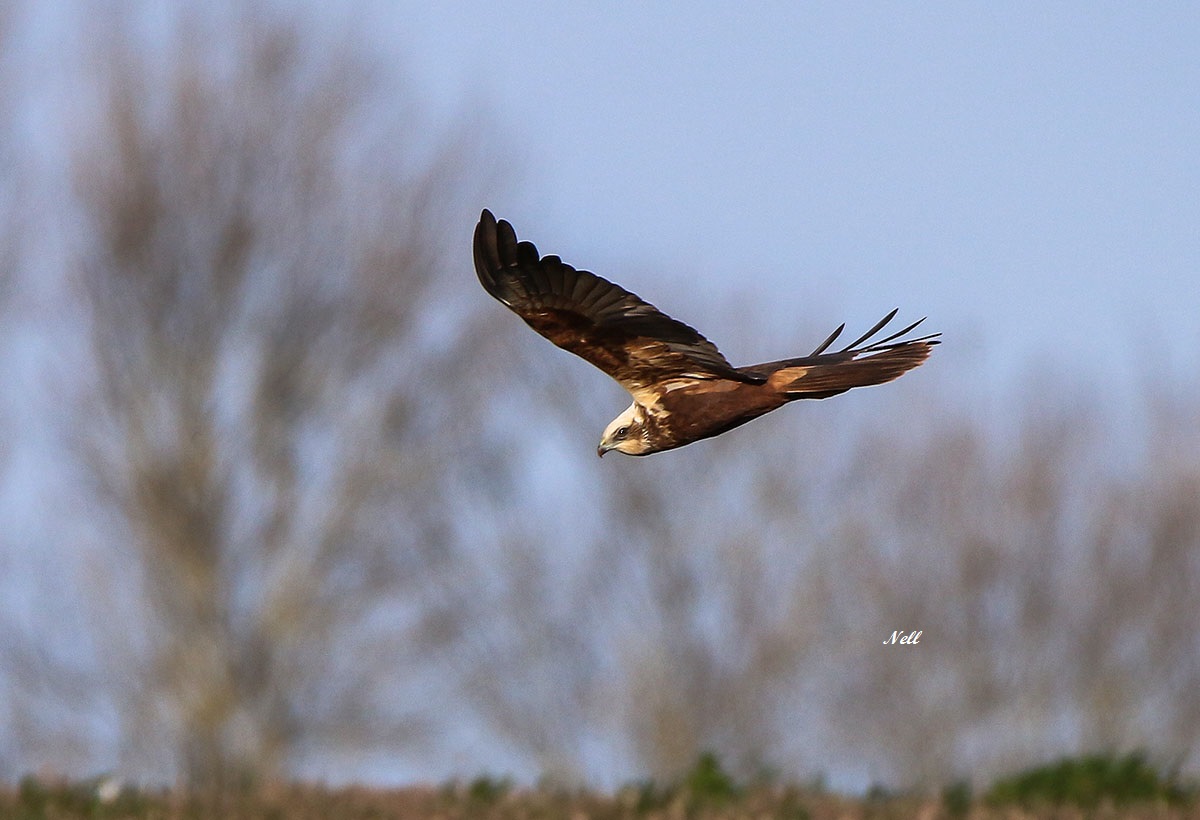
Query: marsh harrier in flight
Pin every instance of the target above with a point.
(683, 388)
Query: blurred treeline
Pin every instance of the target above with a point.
(288, 496)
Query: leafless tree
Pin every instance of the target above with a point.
(264, 230)
(736, 596)
(678, 610)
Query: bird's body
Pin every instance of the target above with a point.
(687, 411)
(683, 389)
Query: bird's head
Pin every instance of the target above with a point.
(626, 433)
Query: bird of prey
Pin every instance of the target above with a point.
(683, 388)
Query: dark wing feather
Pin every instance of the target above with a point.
(626, 337)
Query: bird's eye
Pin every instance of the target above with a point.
(622, 432)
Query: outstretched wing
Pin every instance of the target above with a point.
(627, 338)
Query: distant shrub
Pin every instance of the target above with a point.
(1086, 781)
(95, 797)
(646, 796)
(486, 789)
(956, 798)
(707, 782)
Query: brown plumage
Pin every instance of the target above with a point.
(683, 389)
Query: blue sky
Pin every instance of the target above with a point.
(1027, 174)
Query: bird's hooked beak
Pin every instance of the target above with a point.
(601, 450)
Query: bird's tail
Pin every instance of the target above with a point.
(821, 380)
(861, 363)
